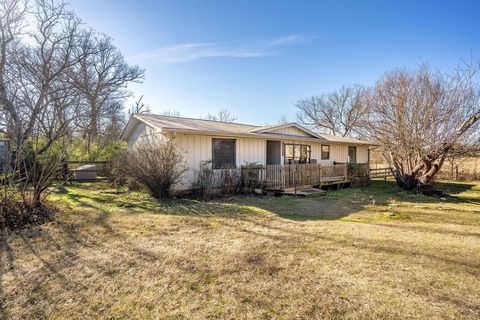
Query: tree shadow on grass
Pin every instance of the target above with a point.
(387, 246)
(6, 265)
(59, 249)
(336, 205)
(378, 196)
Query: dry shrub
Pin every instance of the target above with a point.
(16, 214)
(230, 182)
(208, 182)
(203, 182)
(157, 165)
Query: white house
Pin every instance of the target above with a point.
(230, 145)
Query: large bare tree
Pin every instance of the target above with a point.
(341, 112)
(43, 47)
(418, 117)
(102, 78)
(38, 102)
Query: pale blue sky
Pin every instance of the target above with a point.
(256, 58)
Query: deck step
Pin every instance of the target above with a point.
(309, 192)
(298, 188)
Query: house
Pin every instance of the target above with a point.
(231, 145)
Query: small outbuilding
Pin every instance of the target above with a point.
(86, 172)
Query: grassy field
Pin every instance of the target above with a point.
(117, 255)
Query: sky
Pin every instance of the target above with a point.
(257, 58)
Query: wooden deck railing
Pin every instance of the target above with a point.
(288, 176)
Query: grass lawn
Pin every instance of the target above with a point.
(123, 256)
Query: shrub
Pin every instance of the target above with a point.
(157, 165)
(208, 182)
(251, 173)
(97, 150)
(230, 181)
(17, 214)
(203, 182)
(357, 170)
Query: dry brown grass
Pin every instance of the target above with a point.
(122, 256)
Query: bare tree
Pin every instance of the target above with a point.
(139, 108)
(418, 117)
(340, 112)
(37, 98)
(102, 78)
(283, 119)
(170, 113)
(222, 115)
(50, 64)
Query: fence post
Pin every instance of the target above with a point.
(320, 175)
(294, 180)
(311, 175)
(65, 170)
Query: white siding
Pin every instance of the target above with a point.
(140, 133)
(362, 154)
(338, 153)
(292, 131)
(197, 148)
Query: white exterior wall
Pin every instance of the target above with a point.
(291, 130)
(197, 148)
(362, 154)
(141, 132)
(338, 153)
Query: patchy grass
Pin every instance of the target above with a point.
(119, 255)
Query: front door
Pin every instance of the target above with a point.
(274, 152)
(352, 154)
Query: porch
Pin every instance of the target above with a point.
(283, 177)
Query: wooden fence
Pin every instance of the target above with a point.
(382, 173)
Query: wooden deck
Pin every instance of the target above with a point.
(282, 177)
(308, 192)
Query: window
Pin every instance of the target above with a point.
(325, 152)
(297, 153)
(352, 154)
(223, 153)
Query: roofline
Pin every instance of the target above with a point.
(191, 118)
(285, 125)
(122, 136)
(138, 117)
(253, 133)
(262, 136)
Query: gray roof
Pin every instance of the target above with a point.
(180, 123)
(331, 137)
(202, 126)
